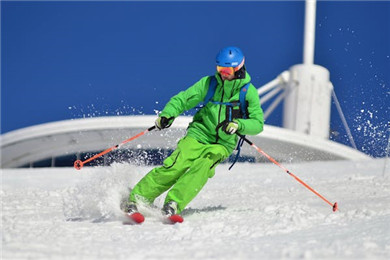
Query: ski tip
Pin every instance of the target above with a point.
(175, 219)
(135, 218)
(335, 207)
(138, 217)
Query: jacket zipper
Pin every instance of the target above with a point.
(219, 112)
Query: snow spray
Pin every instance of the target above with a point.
(78, 164)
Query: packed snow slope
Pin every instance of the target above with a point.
(254, 211)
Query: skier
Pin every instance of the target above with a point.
(210, 137)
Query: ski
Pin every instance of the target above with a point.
(137, 219)
(134, 219)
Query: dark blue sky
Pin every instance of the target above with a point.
(64, 60)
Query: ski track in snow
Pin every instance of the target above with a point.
(255, 211)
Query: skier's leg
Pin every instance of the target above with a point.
(192, 181)
(160, 179)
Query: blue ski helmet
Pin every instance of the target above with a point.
(230, 57)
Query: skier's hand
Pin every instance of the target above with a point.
(163, 122)
(230, 127)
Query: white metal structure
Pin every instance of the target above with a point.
(310, 29)
(307, 93)
(307, 100)
(69, 137)
(305, 90)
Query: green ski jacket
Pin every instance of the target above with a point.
(205, 127)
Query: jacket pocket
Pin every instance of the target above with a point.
(171, 160)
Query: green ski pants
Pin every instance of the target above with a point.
(186, 170)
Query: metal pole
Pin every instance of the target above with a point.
(270, 85)
(271, 94)
(310, 28)
(347, 129)
(275, 103)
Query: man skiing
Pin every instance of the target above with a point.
(210, 137)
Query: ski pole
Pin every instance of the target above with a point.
(78, 164)
(334, 206)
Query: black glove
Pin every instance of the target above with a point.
(163, 122)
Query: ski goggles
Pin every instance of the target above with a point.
(228, 71)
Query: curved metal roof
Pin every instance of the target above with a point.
(39, 142)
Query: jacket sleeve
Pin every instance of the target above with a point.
(186, 99)
(254, 124)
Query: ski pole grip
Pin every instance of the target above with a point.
(151, 128)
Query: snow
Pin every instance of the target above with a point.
(255, 211)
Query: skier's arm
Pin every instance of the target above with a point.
(254, 124)
(186, 99)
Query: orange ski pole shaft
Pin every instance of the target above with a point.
(334, 205)
(78, 164)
